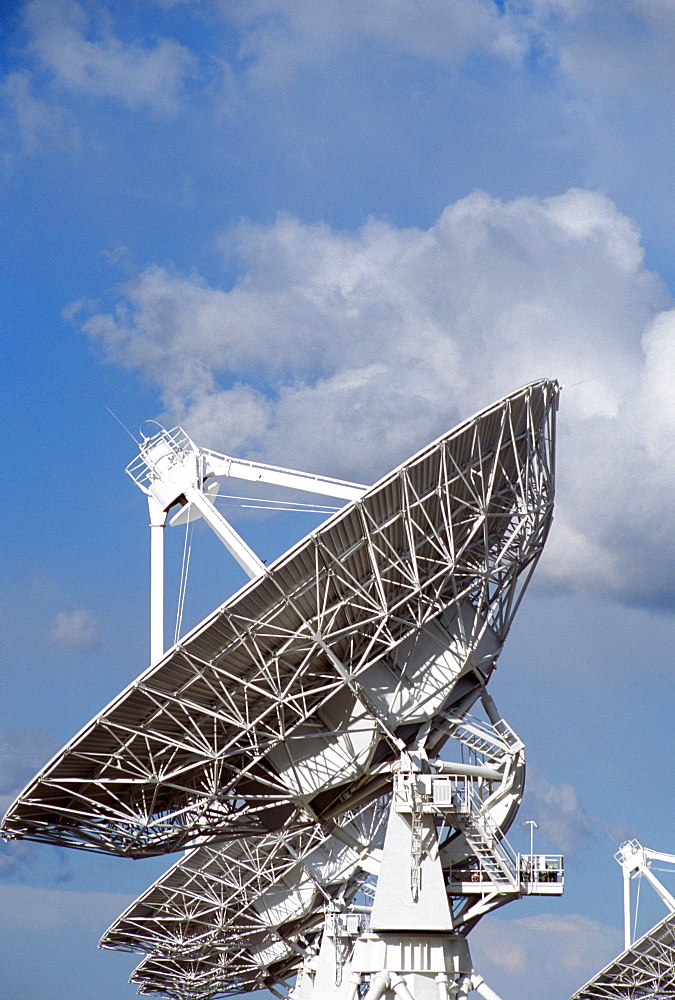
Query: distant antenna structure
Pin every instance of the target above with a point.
(313, 703)
(645, 969)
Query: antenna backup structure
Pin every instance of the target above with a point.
(276, 735)
(645, 969)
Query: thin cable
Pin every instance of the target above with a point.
(182, 590)
(279, 504)
(637, 904)
(123, 426)
(287, 510)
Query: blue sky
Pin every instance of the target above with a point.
(320, 234)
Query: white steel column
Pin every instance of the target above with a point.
(157, 523)
(482, 988)
(627, 934)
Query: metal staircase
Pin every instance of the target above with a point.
(452, 884)
(494, 862)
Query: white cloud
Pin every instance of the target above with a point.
(280, 36)
(140, 76)
(560, 816)
(547, 956)
(621, 49)
(77, 629)
(342, 352)
(37, 120)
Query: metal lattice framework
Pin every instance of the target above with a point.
(244, 897)
(288, 703)
(195, 978)
(645, 971)
(244, 915)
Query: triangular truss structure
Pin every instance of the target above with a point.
(283, 735)
(645, 970)
(250, 914)
(246, 911)
(290, 701)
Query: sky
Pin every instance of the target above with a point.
(319, 235)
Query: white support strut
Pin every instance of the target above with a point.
(230, 538)
(635, 859)
(257, 472)
(646, 966)
(157, 525)
(171, 469)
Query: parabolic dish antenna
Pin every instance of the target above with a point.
(288, 704)
(246, 914)
(193, 978)
(645, 971)
(248, 908)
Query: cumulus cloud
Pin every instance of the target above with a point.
(558, 953)
(89, 58)
(77, 629)
(37, 119)
(344, 351)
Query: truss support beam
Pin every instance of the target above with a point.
(222, 528)
(413, 589)
(157, 526)
(635, 859)
(359, 693)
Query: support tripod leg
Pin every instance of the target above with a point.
(399, 987)
(442, 981)
(379, 985)
(483, 990)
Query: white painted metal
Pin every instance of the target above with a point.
(157, 527)
(171, 469)
(646, 970)
(636, 860)
(170, 462)
(646, 967)
(195, 921)
(285, 710)
(532, 825)
(247, 723)
(251, 908)
(413, 947)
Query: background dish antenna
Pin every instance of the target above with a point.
(646, 968)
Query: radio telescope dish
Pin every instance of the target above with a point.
(200, 978)
(242, 907)
(244, 915)
(288, 704)
(645, 971)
